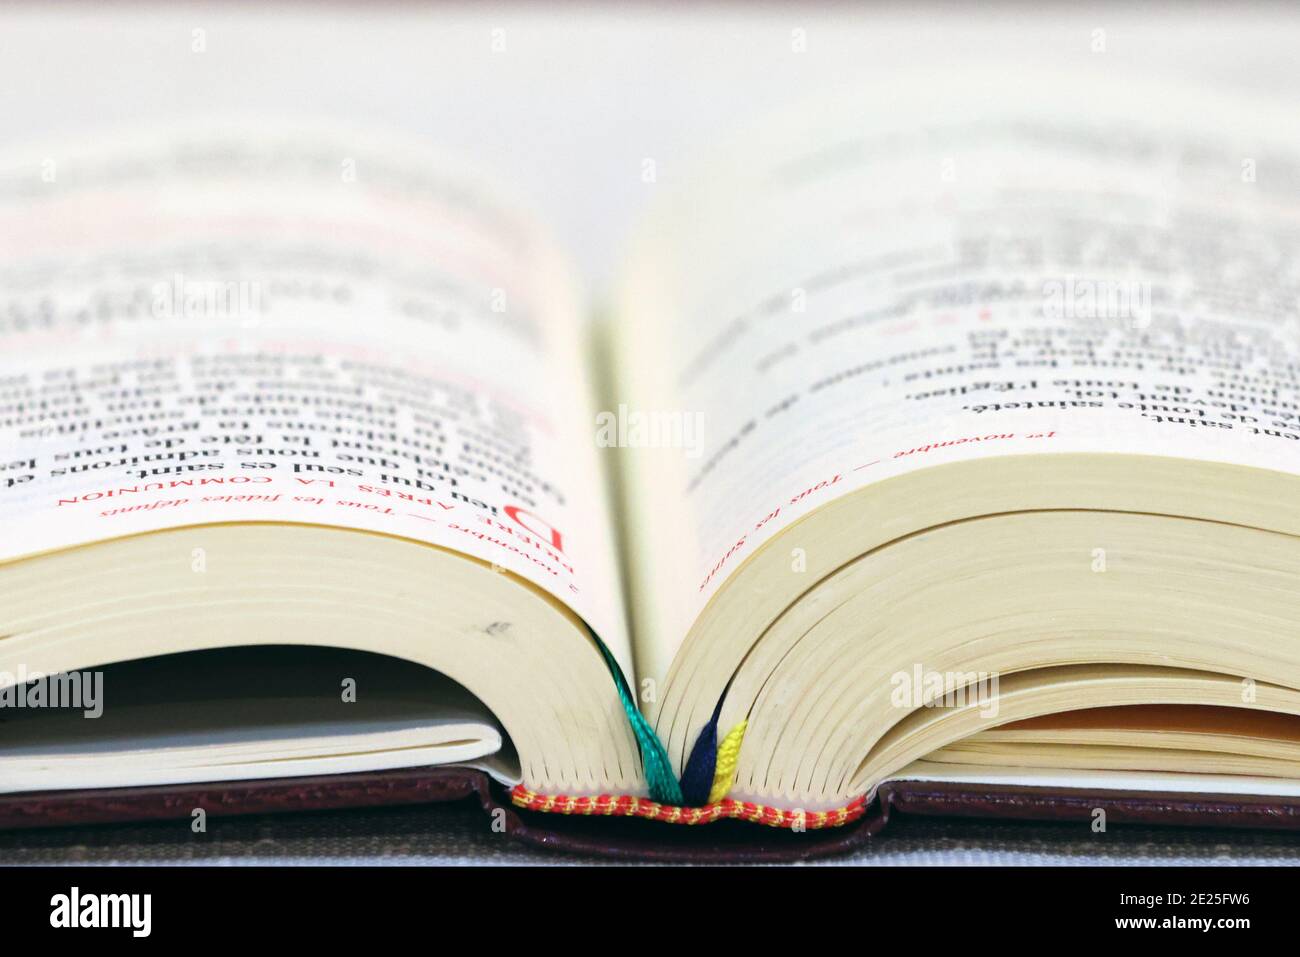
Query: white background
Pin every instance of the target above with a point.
(582, 93)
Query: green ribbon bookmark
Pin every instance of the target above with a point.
(654, 756)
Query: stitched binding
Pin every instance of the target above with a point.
(624, 805)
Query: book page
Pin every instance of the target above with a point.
(270, 325)
(922, 275)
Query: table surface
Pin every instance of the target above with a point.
(458, 834)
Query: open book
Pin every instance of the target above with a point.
(941, 435)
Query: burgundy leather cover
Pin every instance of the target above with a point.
(631, 839)
(1071, 804)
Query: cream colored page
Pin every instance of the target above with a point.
(264, 325)
(923, 275)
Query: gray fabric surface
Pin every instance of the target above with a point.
(459, 835)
